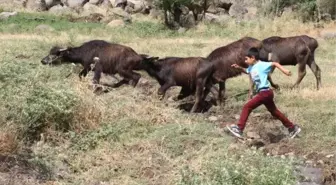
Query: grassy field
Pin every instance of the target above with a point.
(58, 132)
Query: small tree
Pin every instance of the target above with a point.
(326, 7)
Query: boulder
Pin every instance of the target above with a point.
(210, 17)
(60, 10)
(51, 3)
(119, 3)
(89, 9)
(36, 5)
(136, 5)
(251, 13)
(106, 4)
(95, 2)
(237, 11)
(116, 23)
(120, 13)
(188, 21)
(12, 3)
(75, 3)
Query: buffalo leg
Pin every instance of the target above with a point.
(221, 92)
(316, 70)
(135, 78)
(84, 72)
(185, 92)
(199, 93)
(162, 90)
(97, 74)
(120, 83)
(301, 74)
(127, 76)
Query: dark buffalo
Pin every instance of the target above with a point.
(292, 51)
(190, 73)
(223, 57)
(110, 59)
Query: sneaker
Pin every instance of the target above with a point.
(235, 130)
(293, 132)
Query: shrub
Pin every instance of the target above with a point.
(47, 108)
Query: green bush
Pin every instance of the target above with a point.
(305, 9)
(327, 7)
(250, 167)
(47, 107)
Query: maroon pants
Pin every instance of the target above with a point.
(266, 98)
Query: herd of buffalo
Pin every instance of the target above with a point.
(196, 75)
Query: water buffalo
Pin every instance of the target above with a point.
(292, 51)
(111, 59)
(190, 73)
(223, 57)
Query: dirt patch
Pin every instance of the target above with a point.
(22, 170)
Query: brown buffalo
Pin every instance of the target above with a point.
(223, 57)
(110, 59)
(292, 51)
(190, 73)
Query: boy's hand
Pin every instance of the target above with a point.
(235, 66)
(288, 73)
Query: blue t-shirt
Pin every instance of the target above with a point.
(259, 73)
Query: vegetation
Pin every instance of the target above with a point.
(128, 136)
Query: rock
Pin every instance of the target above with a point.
(89, 9)
(60, 10)
(116, 23)
(330, 156)
(211, 17)
(74, 3)
(119, 3)
(251, 13)
(213, 118)
(36, 5)
(121, 13)
(44, 28)
(237, 11)
(6, 15)
(136, 5)
(181, 30)
(106, 4)
(328, 34)
(51, 3)
(251, 134)
(236, 116)
(188, 21)
(95, 2)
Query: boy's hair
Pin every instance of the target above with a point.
(253, 52)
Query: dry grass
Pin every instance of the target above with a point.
(128, 136)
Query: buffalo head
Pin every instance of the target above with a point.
(55, 55)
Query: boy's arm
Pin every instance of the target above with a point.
(239, 67)
(282, 69)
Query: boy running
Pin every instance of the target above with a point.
(259, 72)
